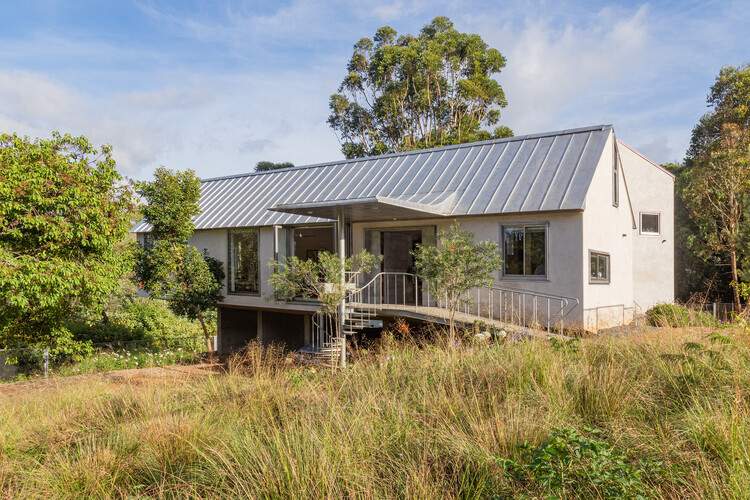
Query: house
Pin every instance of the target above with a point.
(585, 224)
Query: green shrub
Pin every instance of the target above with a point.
(571, 465)
(121, 359)
(677, 316)
(143, 320)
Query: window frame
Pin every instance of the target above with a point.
(525, 277)
(230, 261)
(147, 240)
(600, 281)
(616, 177)
(640, 224)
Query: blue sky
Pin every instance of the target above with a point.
(218, 86)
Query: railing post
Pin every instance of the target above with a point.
(562, 318)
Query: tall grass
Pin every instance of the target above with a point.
(670, 409)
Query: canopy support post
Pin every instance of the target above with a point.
(341, 233)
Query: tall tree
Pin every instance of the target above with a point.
(191, 282)
(696, 271)
(718, 198)
(411, 92)
(64, 218)
(713, 182)
(265, 166)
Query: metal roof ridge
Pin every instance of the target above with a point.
(590, 128)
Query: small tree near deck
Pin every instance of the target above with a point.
(455, 266)
(320, 279)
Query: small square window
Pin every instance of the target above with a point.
(650, 224)
(598, 267)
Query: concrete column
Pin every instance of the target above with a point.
(341, 234)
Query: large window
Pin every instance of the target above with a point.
(598, 267)
(525, 250)
(650, 224)
(244, 261)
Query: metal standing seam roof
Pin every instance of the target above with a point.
(531, 173)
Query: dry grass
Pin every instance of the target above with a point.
(404, 422)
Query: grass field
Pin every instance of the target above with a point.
(659, 414)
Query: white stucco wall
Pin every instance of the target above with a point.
(641, 266)
(651, 190)
(216, 243)
(564, 266)
(609, 229)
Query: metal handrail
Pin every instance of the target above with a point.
(521, 307)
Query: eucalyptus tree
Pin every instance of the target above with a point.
(714, 183)
(412, 92)
(718, 198)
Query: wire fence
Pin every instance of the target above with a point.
(42, 360)
(724, 312)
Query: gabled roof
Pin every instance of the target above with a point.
(531, 173)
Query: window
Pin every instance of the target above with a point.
(615, 181)
(598, 267)
(525, 250)
(147, 240)
(244, 261)
(650, 224)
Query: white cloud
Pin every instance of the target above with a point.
(215, 125)
(552, 69)
(645, 69)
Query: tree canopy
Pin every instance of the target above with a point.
(729, 103)
(412, 92)
(172, 202)
(714, 183)
(64, 218)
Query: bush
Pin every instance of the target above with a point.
(571, 465)
(677, 316)
(141, 319)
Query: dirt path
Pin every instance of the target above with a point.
(131, 375)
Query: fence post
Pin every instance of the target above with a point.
(713, 306)
(46, 362)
